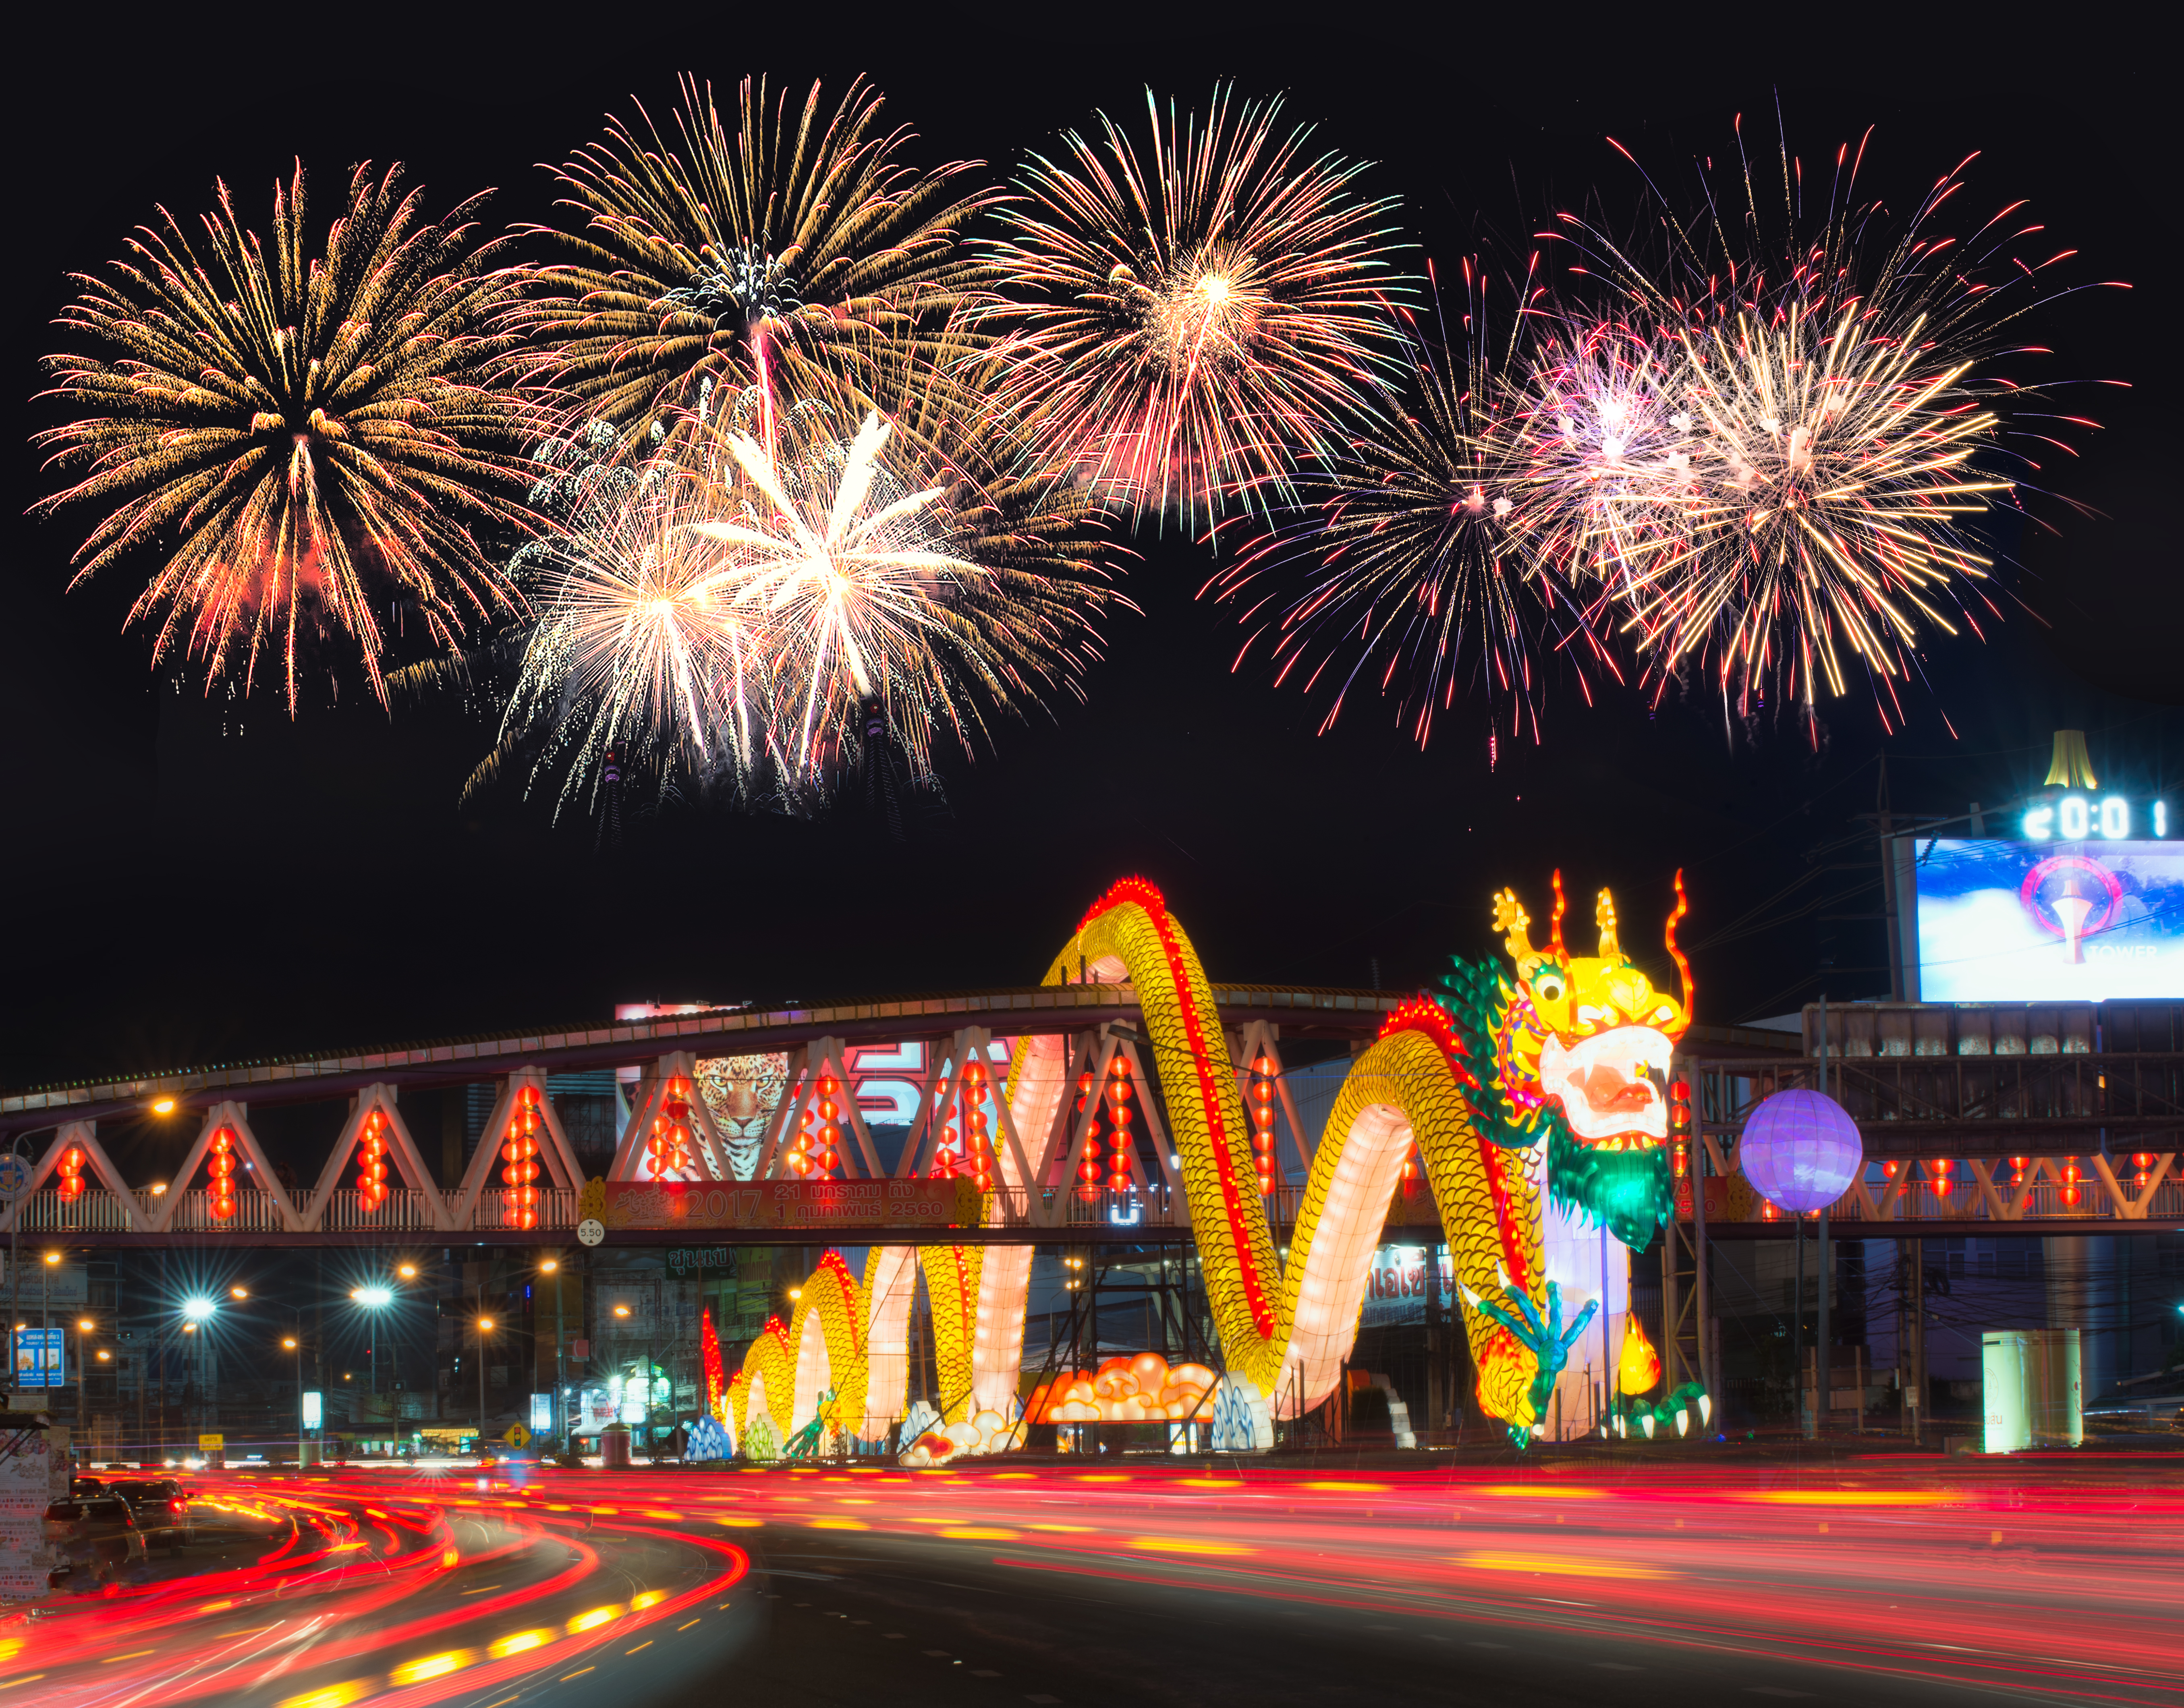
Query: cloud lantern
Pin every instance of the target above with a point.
(1801, 1151)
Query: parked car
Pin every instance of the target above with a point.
(162, 1509)
(100, 1533)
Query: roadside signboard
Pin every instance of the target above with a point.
(211, 1444)
(40, 1358)
(15, 1176)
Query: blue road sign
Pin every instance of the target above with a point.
(40, 1360)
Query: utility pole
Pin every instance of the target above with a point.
(484, 1328)
(1823, 1353)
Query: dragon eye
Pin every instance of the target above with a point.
(1548, 987)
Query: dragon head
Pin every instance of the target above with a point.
(1590, 1033)
(1592, 1037)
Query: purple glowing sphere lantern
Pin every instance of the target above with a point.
(1801, 1151)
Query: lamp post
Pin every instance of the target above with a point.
(294, 1343)
(373, 1298)
(552, 1265)
(84, 1326)
(14, 1260)
(484, 1328)
(45, 1319)
(196, 1314)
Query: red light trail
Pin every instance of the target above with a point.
(2053, 1577)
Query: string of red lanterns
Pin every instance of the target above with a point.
(1262, 1124)
(981, 1146)
(220, 1165)
(70, 1184)
(668, 1145)
(519, 1152)
(371, 1159)
(947, 1160)
(1087, 1169)
(1122, 1146)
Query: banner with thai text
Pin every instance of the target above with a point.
(816, 1204)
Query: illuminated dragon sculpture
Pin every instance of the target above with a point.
(1548, 1075)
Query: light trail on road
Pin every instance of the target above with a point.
(2047, 1580)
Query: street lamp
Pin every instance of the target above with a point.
(196, 1311)
(552, 1265)
(84, 1326)
(294, 1343)
(484, 1328)
(46, 1318)
(374, 1299)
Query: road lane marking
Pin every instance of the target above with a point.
(1555, 1565)
(1179, 1544)
(332, 1696)
(139, 1654)
(578, 1673)
(972, 1532)
(647, 1643)
(686, 1628)
(431, 1666)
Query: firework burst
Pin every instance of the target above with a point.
(1190, 322)
(720, 260)
(786, 585)
(1419, 560)
(297, 438)
(1779, 473)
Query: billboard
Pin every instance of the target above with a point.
(2090, 921)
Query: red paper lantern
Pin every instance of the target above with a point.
(70, 1184)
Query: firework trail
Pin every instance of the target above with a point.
(1187, 322)
(714, 261)
(297, 437)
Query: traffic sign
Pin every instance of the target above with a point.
(211, 1444)
(517, 1436)
(591, 1231)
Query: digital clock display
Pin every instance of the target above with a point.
(2087, 818)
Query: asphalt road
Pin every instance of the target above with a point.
(1879, 1582)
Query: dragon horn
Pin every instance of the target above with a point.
(1562, 906)
(1683, 967)
(1516, 925)
(1603, 916)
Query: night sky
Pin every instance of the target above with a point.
(195, 878)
